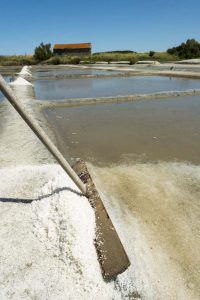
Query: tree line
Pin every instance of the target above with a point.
(188, 50)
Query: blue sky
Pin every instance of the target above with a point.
(140, 25)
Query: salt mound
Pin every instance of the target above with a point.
(147, 62)
(194, 61)
(53, 237)
(20, 81)
(25, 67)
(24, 71)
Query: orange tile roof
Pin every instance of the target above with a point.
(72, 46)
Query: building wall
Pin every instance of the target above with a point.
(72, 52)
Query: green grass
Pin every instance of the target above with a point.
(20, 60)
(133, 57)
(17, 60)
(57, 60)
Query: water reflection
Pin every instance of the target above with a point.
(146, 130)
(103, 87)
(69, 71)
(7, 79)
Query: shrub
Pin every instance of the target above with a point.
(151, 53)
(17, 60)
(190, 49)
(43, 52)
(75, 60)
(55, 60)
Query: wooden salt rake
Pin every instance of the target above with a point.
(111, 254)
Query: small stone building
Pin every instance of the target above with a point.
(73, 49)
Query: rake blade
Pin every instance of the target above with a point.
(111, 254)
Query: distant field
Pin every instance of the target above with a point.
(16, 60)
(133, 57)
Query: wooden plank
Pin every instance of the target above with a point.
(111, 254)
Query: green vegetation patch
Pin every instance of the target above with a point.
(188, 50)
(44, 54)
(17, 60)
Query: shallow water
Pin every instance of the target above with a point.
(7, 79)
(103, 87)
(155, 207)
(69, 71)
(144, 130)
(144, 150)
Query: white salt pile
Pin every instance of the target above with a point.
(23, 89)
(25, 72)
(20, 81)
(53, 237)
(47, 230)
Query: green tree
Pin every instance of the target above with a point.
(43, 52)
(151, 53)
(187, 50)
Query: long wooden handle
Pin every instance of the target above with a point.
(7, 91)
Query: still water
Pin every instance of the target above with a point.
(59, 72)
(7, 79)
(103, 87)
(148, 130)
(144, 158)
